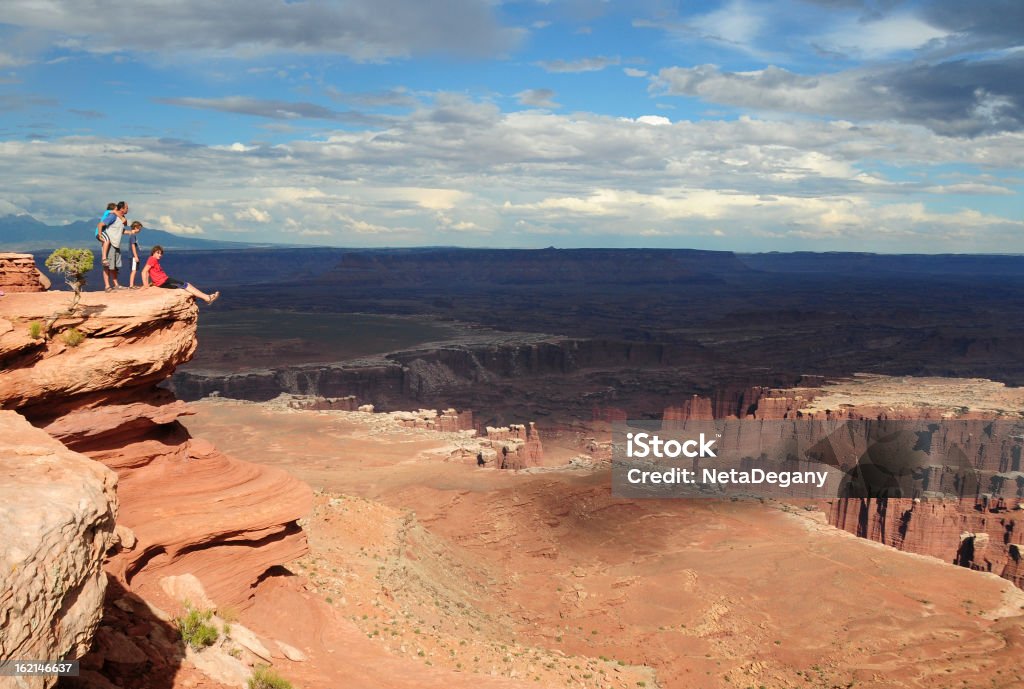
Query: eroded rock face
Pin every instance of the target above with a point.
(982, 532)
(189, 508)
(516, 446)
(132, 339)
(18, 273)
(57, 513)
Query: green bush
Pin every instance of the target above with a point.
(72, 337)
(72, 264)
(265, 678)
(35, 330)
(194, 628)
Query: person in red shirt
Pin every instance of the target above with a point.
(154, 275)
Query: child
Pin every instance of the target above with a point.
(153, 272)
(101, 234)
(133, 242)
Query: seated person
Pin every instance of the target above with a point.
(155, 275)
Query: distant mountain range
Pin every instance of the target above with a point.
(25, 233)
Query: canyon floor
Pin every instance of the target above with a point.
(429, 572)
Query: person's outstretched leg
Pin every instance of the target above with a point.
(196, 292)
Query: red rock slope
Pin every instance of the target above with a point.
(189, 507)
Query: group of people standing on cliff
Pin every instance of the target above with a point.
(111, 230)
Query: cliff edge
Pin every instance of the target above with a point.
(185, 507)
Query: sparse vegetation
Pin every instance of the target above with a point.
(72, 265)
(265, 678)
(72, 337)
(35, 330)
(195, 628)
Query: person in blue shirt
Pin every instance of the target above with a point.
(101, 230)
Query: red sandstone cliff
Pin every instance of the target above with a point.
(188, 505)
(184, 506)
(18, 273)
(983, 532)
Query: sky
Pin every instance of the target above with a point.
(745, 125)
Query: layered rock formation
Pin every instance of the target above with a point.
(445, 374)
(188, 505)
(968, 533)
(184, 506)
(57, 512)
(515, 446)
(979, 526)
(447, 421)
(348, 403)
(18, 273)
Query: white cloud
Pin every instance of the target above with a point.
(461, 171)
(537, 98)
(7, 61)
(587, 64)
(736, 23)
(253, 214)
(634, 72)
(168, 224)
(446, 222)
(881, 37)
(654, 120)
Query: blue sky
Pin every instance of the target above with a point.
(751, 125)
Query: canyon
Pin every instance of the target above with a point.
(542, 573)
(440, 514)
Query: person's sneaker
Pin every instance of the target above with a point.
(108, 289)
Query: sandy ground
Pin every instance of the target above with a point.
(438, 573)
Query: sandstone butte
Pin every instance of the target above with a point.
(983, 532)
(183, 506)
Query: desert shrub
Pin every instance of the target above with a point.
(265, 678)
(195, 628)
(72, 264)
(72, 337)
(35, 330)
